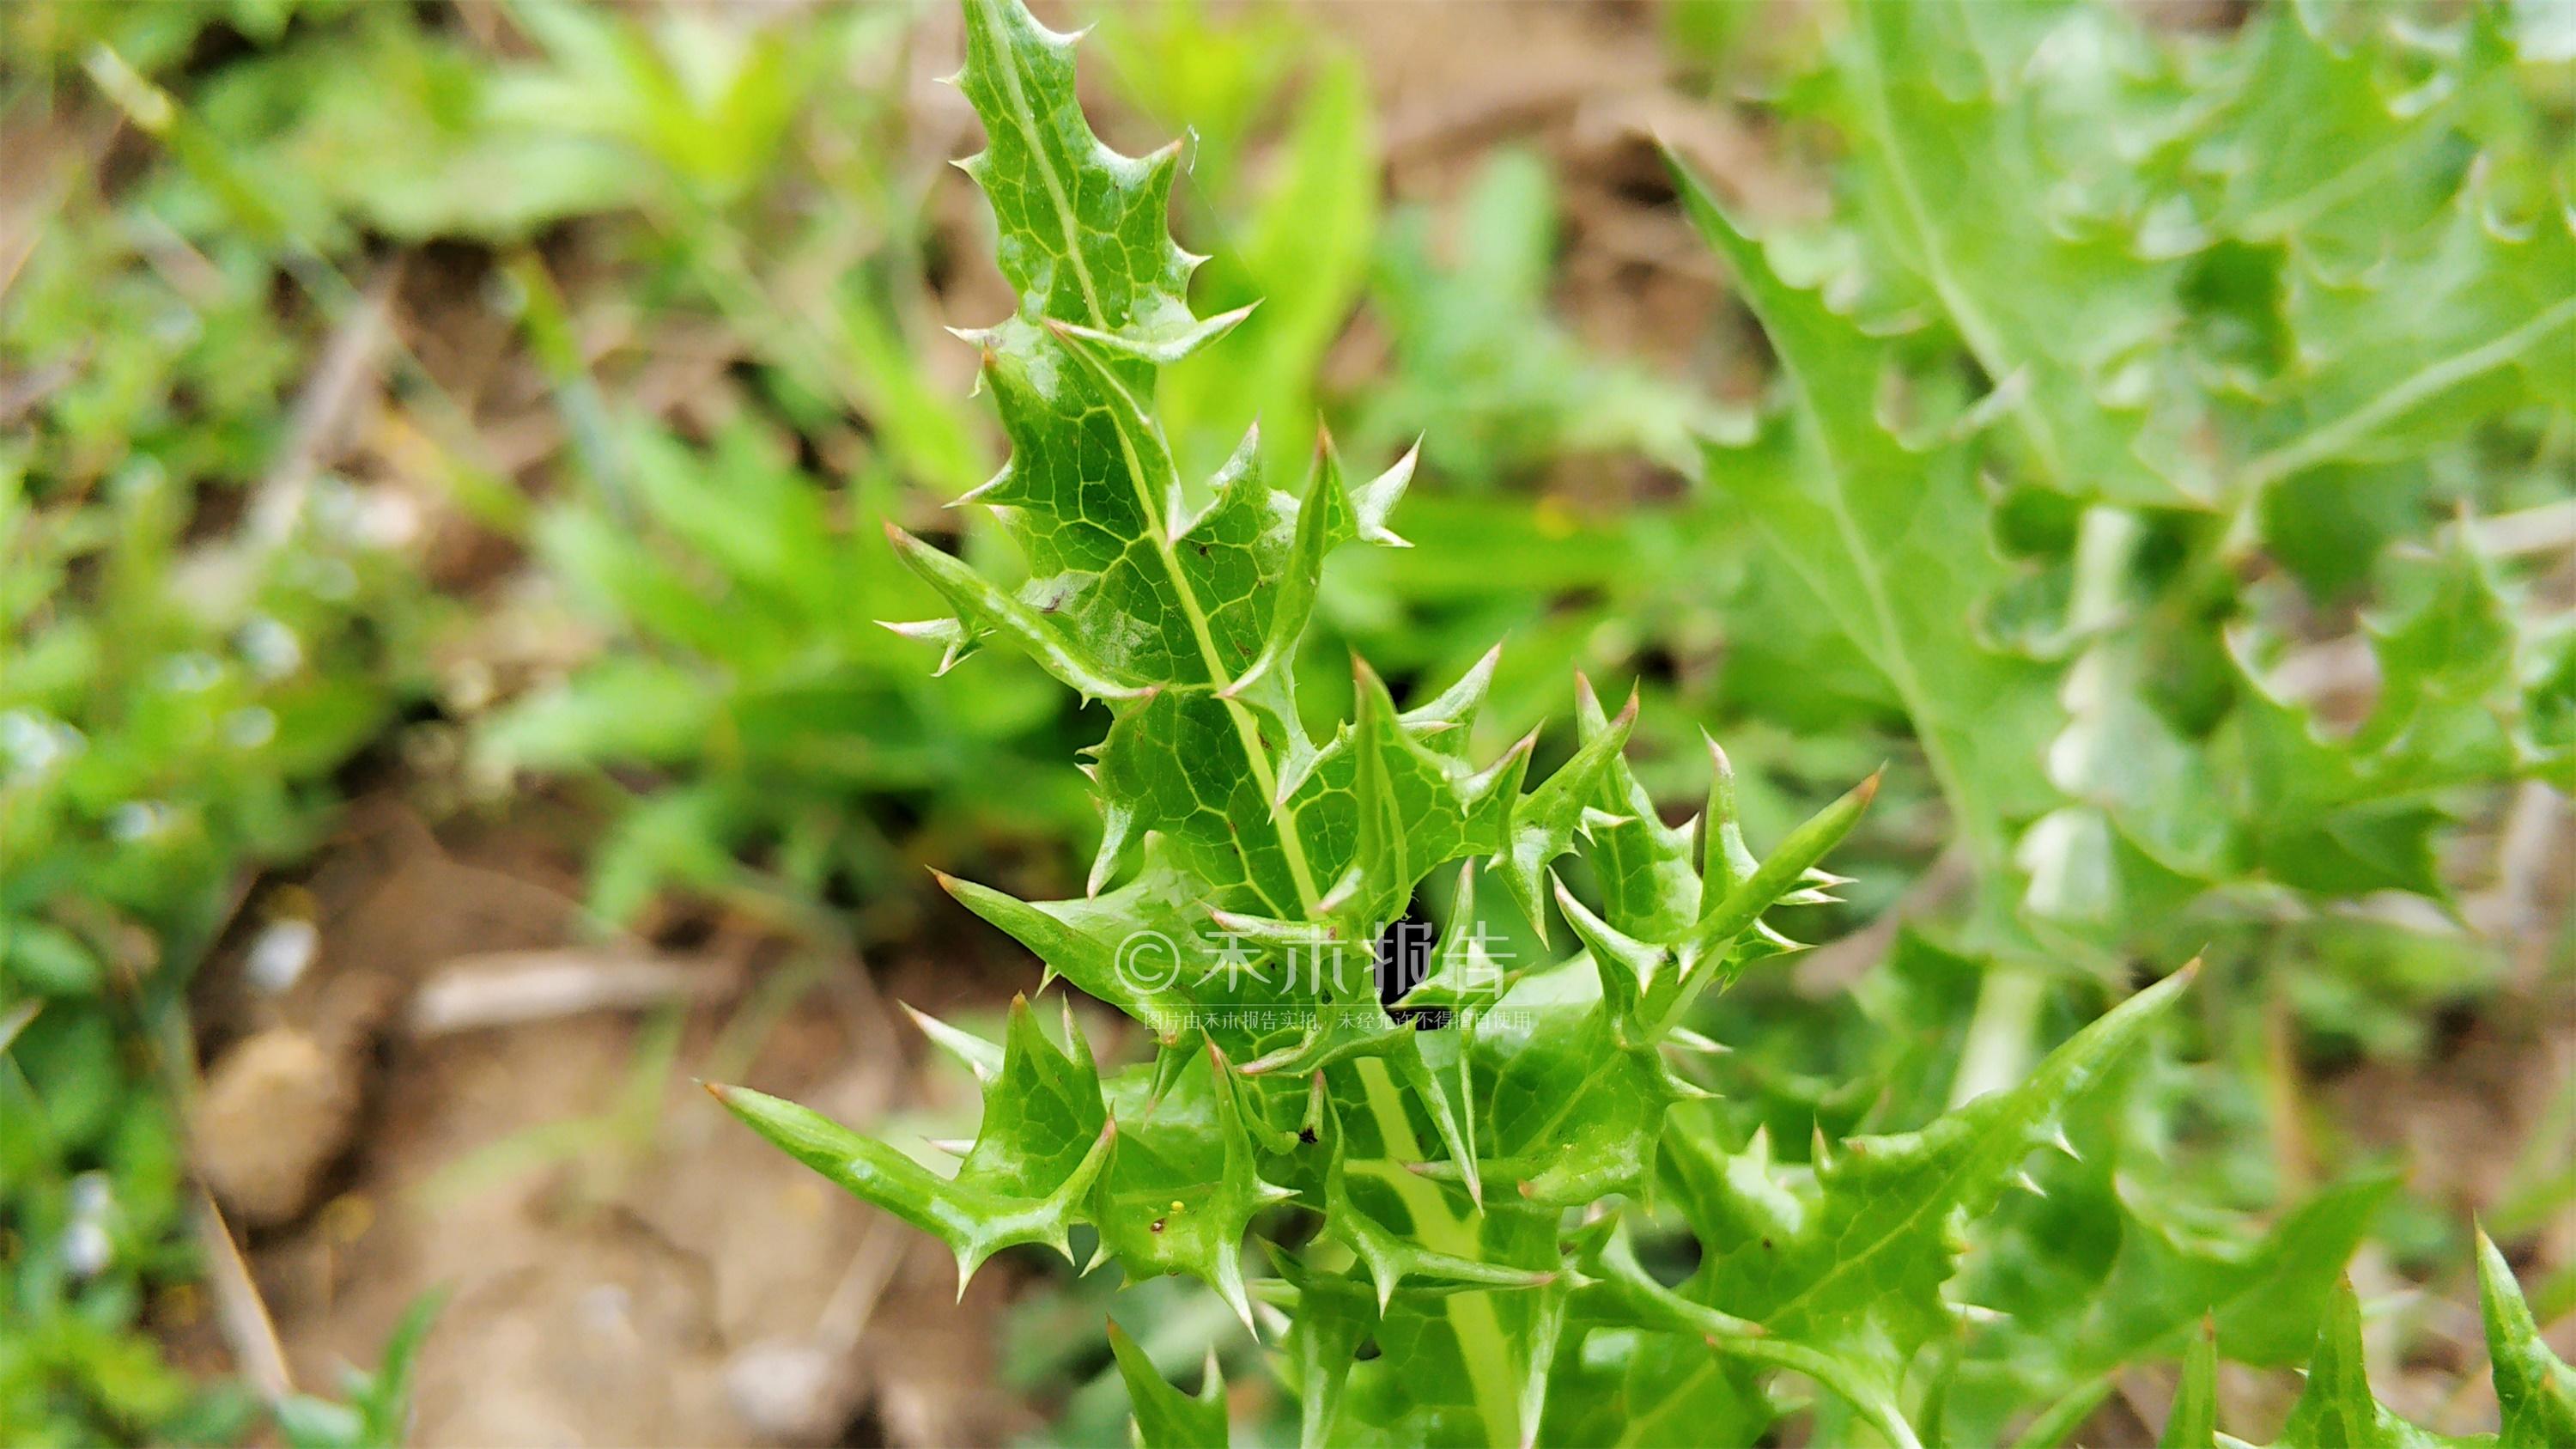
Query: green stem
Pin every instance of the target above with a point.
(1481, 1344)
(1997, 1052)
(2059, 1421)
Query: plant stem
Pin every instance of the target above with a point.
(1998, 1049)
(1997, 1052)
(1471, 1315)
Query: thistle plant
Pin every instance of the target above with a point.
(1503, 1176)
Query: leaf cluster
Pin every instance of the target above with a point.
(1467, 1190)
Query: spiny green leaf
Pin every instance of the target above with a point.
(2263, 1297)
(2337, 1410)
(2315, 146)
(1892, 540)
(1573, 1113)
(1962, 158)
(2414, 310)
(1334, 1316)
(1715, 947)
(1390, 1257)
(1165, 1419)
(1626, 1286)
(1246, 864)
(2534, 1388)
(1040, 1114)
(1543, 822)
(1323, 505)
(1854, 1264)
(2353, 814)
(1185, 1184)
(974, 1217)
(2193, 1423)
(2165, 1281)
(2471, 320)
(1650, 891)
(986, 612)
(1093, 942)
(1082, 228)
(977, 1055)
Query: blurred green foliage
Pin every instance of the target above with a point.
(197, 639)
(207, 642)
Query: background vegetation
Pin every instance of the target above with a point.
(445, 452)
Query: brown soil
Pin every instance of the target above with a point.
(621, 1262)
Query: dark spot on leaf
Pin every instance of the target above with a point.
(1404, 956)
(1403, 960)
(1766, 1242)
(1672, 1263)
(1158, 1227)
(1306, 1135)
